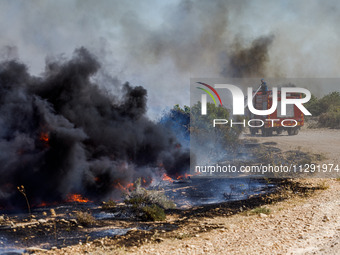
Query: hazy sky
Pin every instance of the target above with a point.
(162, 44)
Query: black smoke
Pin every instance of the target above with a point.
(248, 61)
(60, 133)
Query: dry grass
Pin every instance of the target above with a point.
(85, 218)
(259, 210)
(323, 185)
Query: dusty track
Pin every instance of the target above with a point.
(324, 141)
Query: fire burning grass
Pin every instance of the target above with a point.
(79, 222)
(76, 198)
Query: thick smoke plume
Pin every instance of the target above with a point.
(61, 134)
(248, 62)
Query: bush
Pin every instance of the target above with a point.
(141, 197)
(149, 205)
(85, 218)
(189, 121)
(108, 205)
(327, 108)
(153, 213)
(331, 118)
(202, 127)
(178, 121)
(314, 106)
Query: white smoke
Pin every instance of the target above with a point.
(162, 44)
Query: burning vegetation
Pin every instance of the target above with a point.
(65, 139)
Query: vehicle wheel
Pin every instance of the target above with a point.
(267, 132)
(293, 131)
(290, 131)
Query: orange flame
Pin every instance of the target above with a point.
(129, 186)
(76, 198)
(185, 176)
(166, 177)
(44, 137)
(42, 204)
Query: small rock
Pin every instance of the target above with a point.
(74, 221)
(98, 242)
(262, 215)
(159, 240)
(133, 230)
(52, 211)
(42, 221)
(325, 218)
(63, 221)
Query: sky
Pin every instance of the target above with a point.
(160, 45)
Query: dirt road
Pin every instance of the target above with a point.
(324, 141)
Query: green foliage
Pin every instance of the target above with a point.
(331, 118)
(330, 100)
(153, 213)
(185, 110)
(327, 108)
(202, 126)
(149, 205)
(314, 106)
(323, 105)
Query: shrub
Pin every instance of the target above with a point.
(141, 197)
(149, 205)
(202, 127)
(108, 205)
(327, 108)
(331, 118)
(178, 121)
(85, 218)
(153, 213)
(314, 106)
(189, 121)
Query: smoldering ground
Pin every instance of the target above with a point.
(60, 133)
